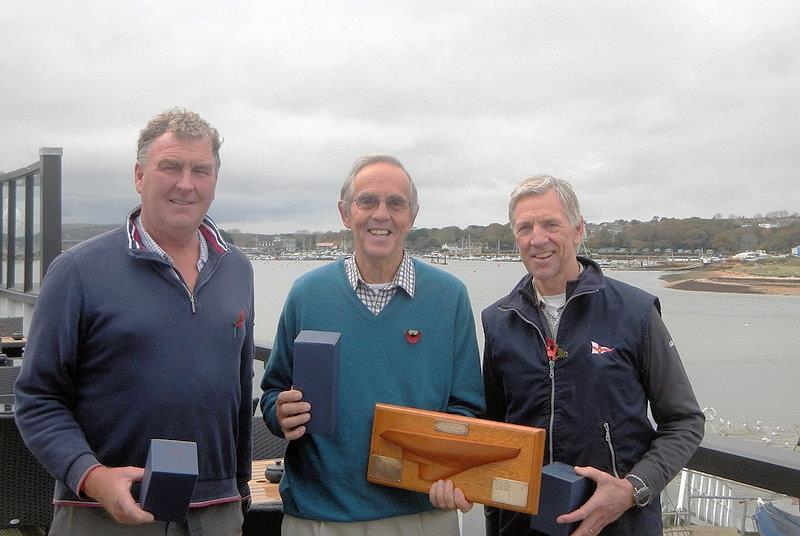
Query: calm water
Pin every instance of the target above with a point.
(738, 349)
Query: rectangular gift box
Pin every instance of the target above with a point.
(169, 478)
(562, 492)
(493, 463)
(316, 373)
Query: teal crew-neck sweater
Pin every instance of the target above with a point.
(326, 476)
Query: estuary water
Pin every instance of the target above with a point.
(740, 350)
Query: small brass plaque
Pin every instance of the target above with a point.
(511, 492)
(385, 468)
(450, 427)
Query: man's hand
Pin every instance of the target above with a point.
(292, 412)
(445, 497)
(609, 501)
(111, 487)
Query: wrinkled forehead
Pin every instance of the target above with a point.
(382, 177)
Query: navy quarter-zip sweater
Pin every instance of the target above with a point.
(120, 352)
(593, 405)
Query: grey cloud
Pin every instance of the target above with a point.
(669, 109)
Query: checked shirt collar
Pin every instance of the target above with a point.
(376, 300)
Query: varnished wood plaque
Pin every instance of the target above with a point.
(494, 463)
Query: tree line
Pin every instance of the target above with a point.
(727, 236)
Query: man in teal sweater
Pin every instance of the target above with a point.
(407, 338)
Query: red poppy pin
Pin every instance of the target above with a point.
(238, 323)
(413, 336)
(554, 353)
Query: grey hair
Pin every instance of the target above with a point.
(185, 125)
(346, 195)
(541, 184)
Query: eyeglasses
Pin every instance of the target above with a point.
(370, 202)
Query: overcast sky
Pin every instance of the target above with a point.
(648, 108)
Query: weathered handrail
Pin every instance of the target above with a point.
(772, 468)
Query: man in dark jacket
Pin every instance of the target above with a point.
(581, 355)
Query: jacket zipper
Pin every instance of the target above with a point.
(552, 404)
(611, 449)
(552, 365)
(199, 284)
(191, 296)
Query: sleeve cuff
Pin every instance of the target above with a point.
(78, 471)
(244, 489)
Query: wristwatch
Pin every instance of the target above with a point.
(641, 491)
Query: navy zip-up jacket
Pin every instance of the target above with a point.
(120, 352)
(593, 403)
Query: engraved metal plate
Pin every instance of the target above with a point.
(450, 427)
(385, 468)
(511, 492)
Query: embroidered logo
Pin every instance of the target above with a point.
(238, 323)
(413, 336)
(600, 349)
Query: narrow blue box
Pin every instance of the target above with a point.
(315, 372)
(561, 492)
(169, 477)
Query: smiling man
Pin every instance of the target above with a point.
(581, 355)
(131, 340)
(407, 338)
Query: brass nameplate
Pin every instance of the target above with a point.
(511, 492)
(385, 468)
(450, 427)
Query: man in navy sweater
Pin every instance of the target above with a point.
(145, 332)
(581, 355)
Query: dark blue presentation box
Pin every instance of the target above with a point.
(561, 492)
(169, 477)
(316, 373)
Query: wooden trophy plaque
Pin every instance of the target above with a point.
(493, 463)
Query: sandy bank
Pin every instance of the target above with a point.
(730, 281)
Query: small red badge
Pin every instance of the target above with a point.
(413, 336)
(554, 353)
(238, 323)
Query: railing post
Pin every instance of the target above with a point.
(50, 158)
(744, 516)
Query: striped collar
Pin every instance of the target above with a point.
(405, 277)
(208, 229)
(151, 245)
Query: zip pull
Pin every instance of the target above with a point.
(552, 369)
(191, 299)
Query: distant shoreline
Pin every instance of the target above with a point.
(724, 280)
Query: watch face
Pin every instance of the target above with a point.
(641, 493)
(642, 496)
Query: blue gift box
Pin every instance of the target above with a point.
(315, 372)
(561, 492)
(169, 477)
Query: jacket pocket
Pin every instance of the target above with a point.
(610, 444)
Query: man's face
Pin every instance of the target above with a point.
(547, 241)
(177, 184)
(379, 232)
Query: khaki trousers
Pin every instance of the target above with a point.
(218, 520)
(432, 523)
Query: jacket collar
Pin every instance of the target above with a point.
(522, 296)
(207, 228)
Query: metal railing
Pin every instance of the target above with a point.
(30, 224)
